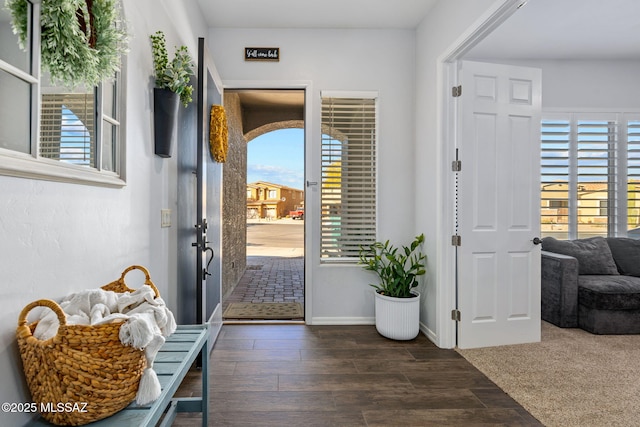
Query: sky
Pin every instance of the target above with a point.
(277, 157)
(74, 136)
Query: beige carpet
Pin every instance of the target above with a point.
(570, 378)
(264, 310)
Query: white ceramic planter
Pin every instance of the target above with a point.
(398, 318)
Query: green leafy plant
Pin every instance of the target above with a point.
(82, 41)
(174, 75)
(397, 268)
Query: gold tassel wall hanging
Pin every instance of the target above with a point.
(218, 134)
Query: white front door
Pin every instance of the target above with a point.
(498, 205)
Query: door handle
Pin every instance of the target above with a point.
(310, 183)
(536, 241)
(205, 271)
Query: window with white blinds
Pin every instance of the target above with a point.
(590, 175)
(348, 183)
(67, 128)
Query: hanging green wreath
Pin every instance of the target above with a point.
(81, 40)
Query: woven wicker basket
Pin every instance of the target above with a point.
(81, 364)
(121, 287)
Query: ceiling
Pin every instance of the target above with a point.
(265, 98)
(315, 13)
(566, 29)
(260, 107)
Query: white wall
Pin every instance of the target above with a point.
(590, 84)
(60, 238)
(350, 60)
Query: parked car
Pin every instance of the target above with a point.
(297, 214)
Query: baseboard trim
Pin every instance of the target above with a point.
(366, 321)
(343, 321)
(215, 325)
(429, 333)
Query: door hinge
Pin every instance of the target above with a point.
(456, 91)
(456, 165)
(455, 315)
(456, 240)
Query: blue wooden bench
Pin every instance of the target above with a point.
(171, 364)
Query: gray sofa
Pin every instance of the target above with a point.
(593, 284)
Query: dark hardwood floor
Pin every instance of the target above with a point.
(297, 375)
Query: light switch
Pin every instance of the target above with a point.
(165, 215)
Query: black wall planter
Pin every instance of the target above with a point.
(165, 114)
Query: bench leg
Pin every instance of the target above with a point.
(205, 383)
(170, 415)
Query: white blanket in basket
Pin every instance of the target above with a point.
(147, 321)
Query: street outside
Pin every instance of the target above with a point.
(279, 237)
(275, 263)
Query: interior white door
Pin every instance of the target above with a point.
(498, 205)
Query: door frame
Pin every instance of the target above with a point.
(447, 76)
(309, 217)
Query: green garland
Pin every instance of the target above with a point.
(81, 40)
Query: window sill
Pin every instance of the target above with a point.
(24, 166)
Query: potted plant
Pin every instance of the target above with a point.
(397, 303)
(172, 85)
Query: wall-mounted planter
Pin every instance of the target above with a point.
(165, 114)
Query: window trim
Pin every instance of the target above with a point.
(32, 165)
(13, 163)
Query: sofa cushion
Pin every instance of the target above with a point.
(626, 254)
(593, 254)
(609, 292)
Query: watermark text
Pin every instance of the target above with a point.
(44, 407)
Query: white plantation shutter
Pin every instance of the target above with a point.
(67, 128)
(590, 175)
(554, 213)
(348, 183)
(596, 185)
(633, 173)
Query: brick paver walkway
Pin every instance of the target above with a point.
(270, 279)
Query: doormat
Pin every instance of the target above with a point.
(264, 310)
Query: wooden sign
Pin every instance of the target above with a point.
(262, 54)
